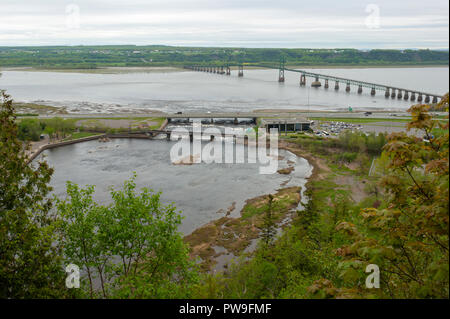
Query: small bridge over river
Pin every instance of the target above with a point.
(388, 90)
(153, 133)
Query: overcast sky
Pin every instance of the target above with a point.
(359, 24)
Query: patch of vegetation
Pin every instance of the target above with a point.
(236, 234)
(401, 225)
(78, 135)
(39, 108)
(92, 57)
(358, 120)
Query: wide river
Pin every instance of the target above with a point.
(179, 90)
(202, 192)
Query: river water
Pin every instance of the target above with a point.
(197, 91)
(202, 192)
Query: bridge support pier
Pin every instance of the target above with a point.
(326, 84)
(221, 70)
(228, 70)
(316, 83)
(427, 99)
(336, 85)
(400, 94)
(281, 76)
(406, 97)
(359, 89)
(435, 99)
(393, 94)
(373, 92)
(302, 80)
(347, 88)
(241, 71)
(236, 122)
(420, 98)
(387, 93)
(211, 138)
(413, 96)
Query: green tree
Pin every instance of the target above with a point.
(80, 226)
(408, 240)
(29, 129)
(30, 261)
(132, 246)
(268, 229)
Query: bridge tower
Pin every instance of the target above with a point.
(281, 71)
(336, 85)
(303, 79)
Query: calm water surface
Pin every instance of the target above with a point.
(203, 192)
(198, 91)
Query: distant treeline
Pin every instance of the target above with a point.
(90, 57)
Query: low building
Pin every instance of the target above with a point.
(286, 124)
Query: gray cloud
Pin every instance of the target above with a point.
(249, 23)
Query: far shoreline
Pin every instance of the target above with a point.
(165, 69)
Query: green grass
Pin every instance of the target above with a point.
(358, 120)
(78, 135)
(26, 114)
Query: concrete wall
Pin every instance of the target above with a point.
(58, 144)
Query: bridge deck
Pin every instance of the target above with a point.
(371, 85)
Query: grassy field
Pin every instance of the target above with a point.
(78, 135)
(359, 120)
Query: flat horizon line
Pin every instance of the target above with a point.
(219, 47)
